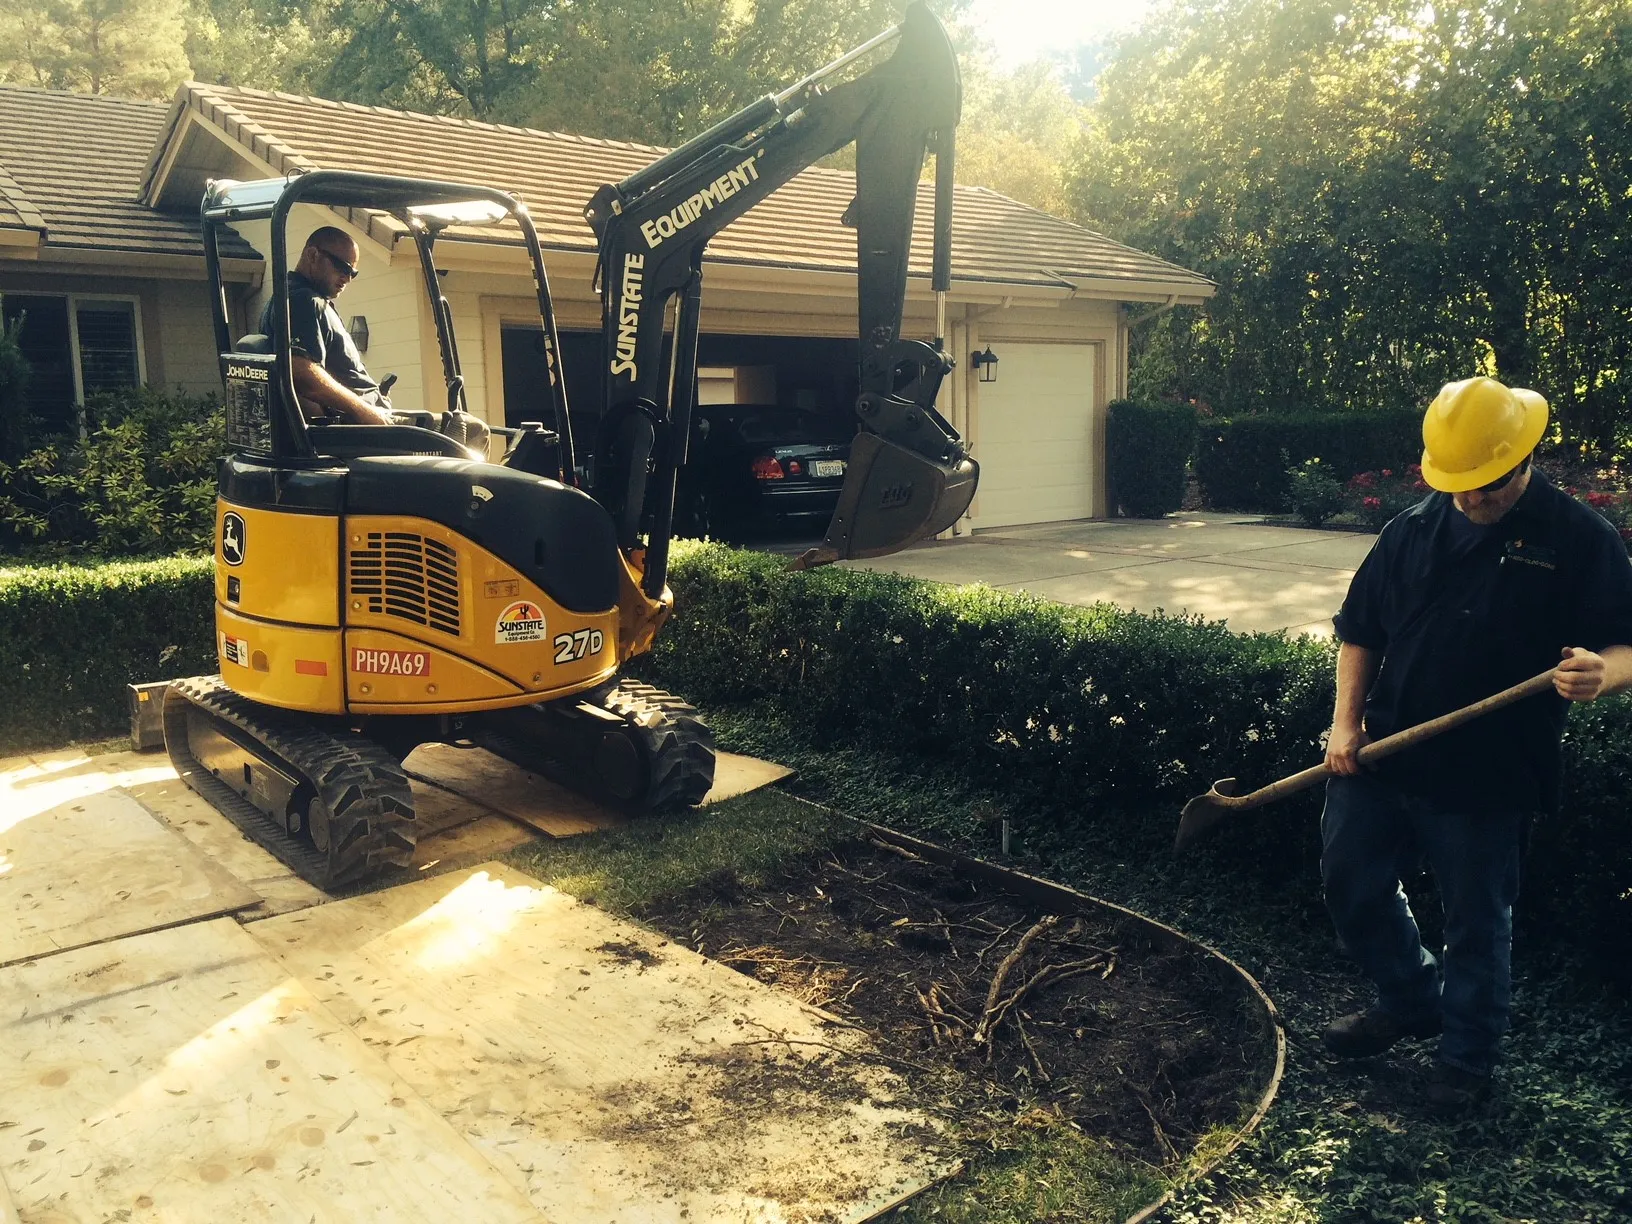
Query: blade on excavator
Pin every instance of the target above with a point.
(892, 497)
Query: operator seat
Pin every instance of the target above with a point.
(357, 440)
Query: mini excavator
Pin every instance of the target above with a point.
(378, 587)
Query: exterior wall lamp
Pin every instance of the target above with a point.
(986, 364)
(357, 325)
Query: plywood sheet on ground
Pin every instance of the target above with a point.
(178, 806)
(184, 1076)
(96, 866)
(617, 1076)
(549, 807)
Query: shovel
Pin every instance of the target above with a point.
(1204, 811)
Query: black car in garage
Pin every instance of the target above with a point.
(758, 469)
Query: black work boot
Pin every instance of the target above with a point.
(1451, 1093)
(1372, 1031)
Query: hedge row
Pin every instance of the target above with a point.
(1074, 716)
(72, 637)
(1147, 447)
(1241, 464)
(1079, 716)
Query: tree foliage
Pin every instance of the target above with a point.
(128, 47)
(1389, 194)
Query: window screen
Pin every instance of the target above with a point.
(107, 346)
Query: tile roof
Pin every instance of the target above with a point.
(72, 166)
(994, 238)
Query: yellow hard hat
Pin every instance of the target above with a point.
(1477, 431)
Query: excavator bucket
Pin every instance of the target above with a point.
(892, 496)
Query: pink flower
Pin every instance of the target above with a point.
(1373, 503)
(1388, 471)
(1599, 500)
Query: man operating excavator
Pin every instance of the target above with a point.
(330, 377)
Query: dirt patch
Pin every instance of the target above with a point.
(626, 953)
(996, 1012)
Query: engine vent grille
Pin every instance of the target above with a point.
(398, 573)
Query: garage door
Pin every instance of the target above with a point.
(1036, 436)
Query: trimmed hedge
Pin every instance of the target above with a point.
(1242, 463)
(1090, 720)
(1147, 450)
(72, 637)
(1096, 722)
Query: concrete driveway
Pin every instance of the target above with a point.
(1222, 567)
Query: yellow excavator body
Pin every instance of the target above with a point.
(393, 614)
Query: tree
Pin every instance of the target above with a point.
(1017, 133)
(127, 47)
(1390, 195)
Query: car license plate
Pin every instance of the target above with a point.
(827, 467)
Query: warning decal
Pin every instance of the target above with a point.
(522, 621)
(235, 650)
(390, 662)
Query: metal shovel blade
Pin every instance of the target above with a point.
(892, 497)
(1204, 811)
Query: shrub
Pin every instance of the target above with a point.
(1087, 719)
(142, 482)
(1093, 722)
(1242, 463)
(72, 637)
(1147, 448)
(1376, 497)
(1315, 493)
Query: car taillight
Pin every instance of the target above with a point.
(794, 467)
(767, 468)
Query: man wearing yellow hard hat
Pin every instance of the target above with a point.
(1491, 579)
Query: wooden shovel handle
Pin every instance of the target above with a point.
(1389, 745)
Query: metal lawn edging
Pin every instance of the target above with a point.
(1062, 899)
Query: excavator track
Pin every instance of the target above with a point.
(625, 743)
(332, 804)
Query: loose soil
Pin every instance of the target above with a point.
(997, 1013)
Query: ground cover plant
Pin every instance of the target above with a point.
(1344, 1142)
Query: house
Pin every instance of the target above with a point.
(1051, 300)
(113, 290)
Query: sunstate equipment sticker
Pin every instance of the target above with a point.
(522, 621)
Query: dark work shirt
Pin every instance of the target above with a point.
(1458, 612)
(316, 332)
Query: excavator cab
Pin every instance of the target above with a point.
(263, 412)
(383, 586)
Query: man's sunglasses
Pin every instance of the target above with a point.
(340, 265)
(1496, 486)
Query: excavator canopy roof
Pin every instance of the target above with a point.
(436, 202)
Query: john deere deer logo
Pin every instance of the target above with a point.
(232, 540)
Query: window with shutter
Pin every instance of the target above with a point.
(107, 345)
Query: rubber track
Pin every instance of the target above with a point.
(673, 740)
(371, 823)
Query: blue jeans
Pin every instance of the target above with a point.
(1371, 835)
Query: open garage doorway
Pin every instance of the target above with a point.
(801, 377)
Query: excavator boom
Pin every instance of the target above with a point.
(909, 475)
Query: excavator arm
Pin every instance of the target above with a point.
(909, 475)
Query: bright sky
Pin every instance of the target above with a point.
(1022, 30)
